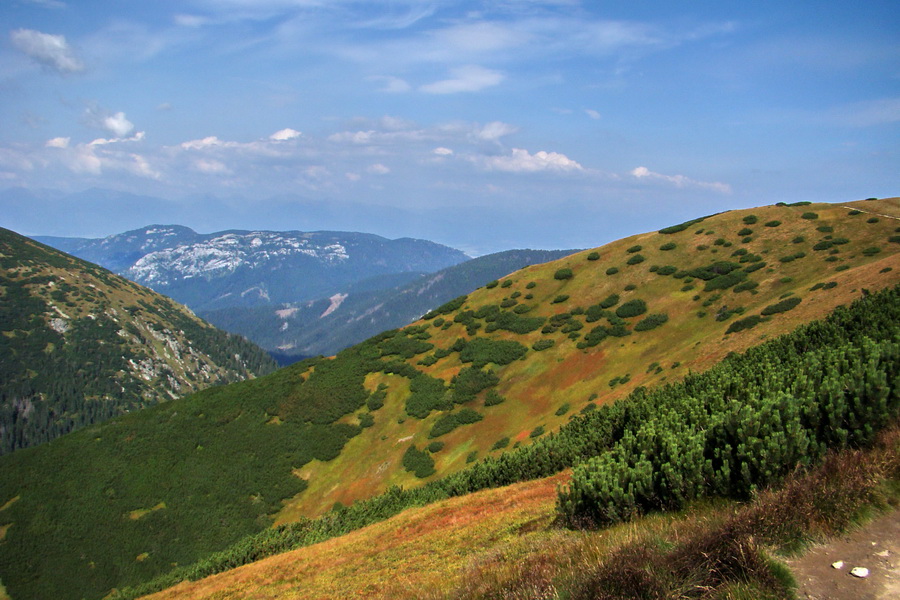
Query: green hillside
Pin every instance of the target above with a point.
(79, 345)
(491, 371)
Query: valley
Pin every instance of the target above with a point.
(498, 386)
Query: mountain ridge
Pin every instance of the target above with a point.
(251, 267)
(498, 368)
(81, 344)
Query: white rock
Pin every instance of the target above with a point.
(859, 572)
(837, 565)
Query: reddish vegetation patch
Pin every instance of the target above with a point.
(424, 547)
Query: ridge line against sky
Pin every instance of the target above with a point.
(550, 123)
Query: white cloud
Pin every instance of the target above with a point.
(58, 142)
(207, 142)
(592, 113)
(521, 161)
(284, 135)
(378, 169)
(680, 180)
(52, 51)
(441, 151)
(210, 166)
(137, 137)
(470, 78)
(118, 125)
(495, 130)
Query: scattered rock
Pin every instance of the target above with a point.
(860, 572)
(837, 565)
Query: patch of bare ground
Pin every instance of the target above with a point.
(876, 547)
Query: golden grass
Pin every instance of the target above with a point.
(417, 549)
(535, 387)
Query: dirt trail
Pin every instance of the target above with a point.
(875, 547)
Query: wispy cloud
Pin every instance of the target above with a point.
(470, 78)
(51, 51)
(643, 173)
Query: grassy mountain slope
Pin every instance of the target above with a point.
(503, 542)
(404, 406)
(80, 345)
(329, 325)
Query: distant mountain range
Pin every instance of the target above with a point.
(327, 325)
(468, 397)
(253, 268)
(79, 344)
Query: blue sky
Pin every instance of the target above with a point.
(484, 125)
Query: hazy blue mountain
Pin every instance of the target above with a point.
(253, 268)
(325, 326)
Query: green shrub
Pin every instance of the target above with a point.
(450, 421)
(825, 229)
(612, 270)
(634, 249)
(500, 444)
(492, 284)
(872, 220)
(810, 216)
(668, 246)
(492, 398)
(531, 285)
(630, 287)
(609, 301)
(854, 212)
(666, 270)
(780, 307)
(562, 410)
(562, 274)
(426, 394)
(481, 351)
(560, 299)
(471, 456)
(636, 259)
(773, 223)
(745, 232)
(632, 308)
(506, 283)
(725, 281)
(745, 286)
(447, 308)
(417, 462)
(537, 432)
(681, 227)
(871, 251)
(651, 322)
(542, 344)
(750, 219)
(435, 447)
(593, 256)
(470, 381)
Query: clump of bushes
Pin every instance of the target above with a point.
(563, 274)
(636, 259)
(668, 246)
(542, 344)
(651, 322)
(780, 307)
(418, 462)
(612, 270)
(593, 256)
(632, 308)
(450, 421)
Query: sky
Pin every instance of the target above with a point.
(485, 125)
